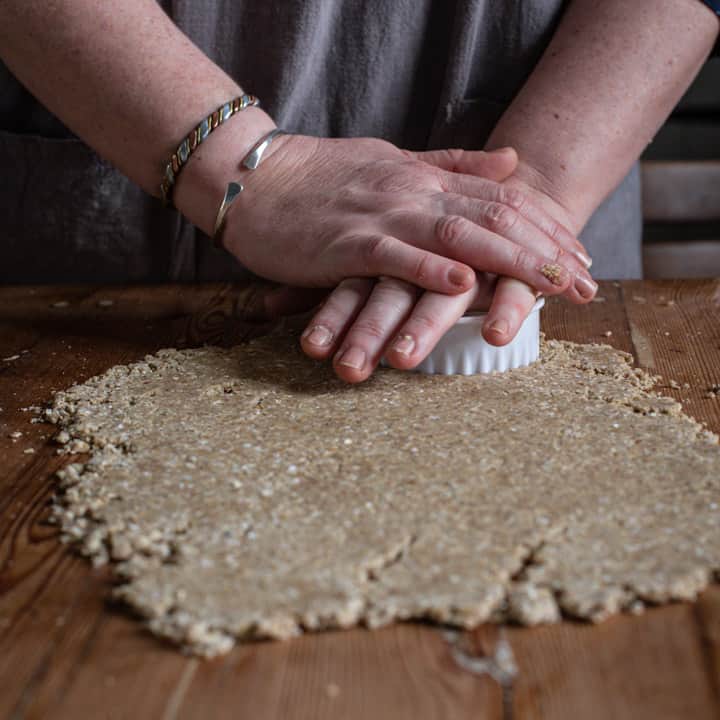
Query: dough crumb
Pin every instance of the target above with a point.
(531, 605)
(332, 690)
(554, 273)
(76, 447)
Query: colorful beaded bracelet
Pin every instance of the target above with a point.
(186, 148)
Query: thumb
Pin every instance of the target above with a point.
(496, 165)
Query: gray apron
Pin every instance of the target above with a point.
(420, 73)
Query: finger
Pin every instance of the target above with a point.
(454, 236)
(327, 327)
(511, 304)
(389, 303)
(433, 315)
(509, 223)
(384, 255)
(494, 192)
(495, 165)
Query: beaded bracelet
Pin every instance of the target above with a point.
(186, 148)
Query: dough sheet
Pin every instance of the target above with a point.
(248, 493)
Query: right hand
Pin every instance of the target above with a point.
(318, 211)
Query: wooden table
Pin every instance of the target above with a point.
(66, 653)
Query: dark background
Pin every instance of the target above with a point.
(682, 211)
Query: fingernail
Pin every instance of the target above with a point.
(586, 287)
(500, 327)
(583, 258)
(505, 150)
(459, 277)
(353, 358)
(318, 335)
(556, 274)
(404, 344)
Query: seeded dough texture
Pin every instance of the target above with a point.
(249, 493)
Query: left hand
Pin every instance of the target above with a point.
(365, 319)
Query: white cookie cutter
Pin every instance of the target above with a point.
(464, 351)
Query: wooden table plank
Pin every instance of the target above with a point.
(601, 321)
(650, 667)
(401, 672)
(116, 670)
(64, 653)
(40, 584)
(707, 615)
(680, 324)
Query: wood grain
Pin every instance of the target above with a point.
(65, 652)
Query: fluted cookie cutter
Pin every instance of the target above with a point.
(464, 351)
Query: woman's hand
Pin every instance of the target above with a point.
(318, 211)
(363, 320)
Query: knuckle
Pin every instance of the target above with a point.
(451, 231)
(500, 218)
(393, 287)
(401, 218)
(332, 312)
(423, 323)
(411, 176)
(454, 155)
(553, 230)
(351, 198)
(522, 260)
(392, 216)
(512, 197)
(370, 327)
(384, 205)
(341, 303)
(356, 286)
(375, 250)
(423, 267)
(388, 184)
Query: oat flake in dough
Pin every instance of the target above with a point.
(248, 493)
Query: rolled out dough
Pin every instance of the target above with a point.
(247, 492)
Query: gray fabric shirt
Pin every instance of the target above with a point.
(420, 73)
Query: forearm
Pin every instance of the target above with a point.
(120, 75)
(610, 77)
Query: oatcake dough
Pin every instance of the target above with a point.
(248, 492)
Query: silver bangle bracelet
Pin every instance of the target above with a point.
(251, 161)
(253, 158)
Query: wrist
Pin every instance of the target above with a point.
(551, 198)
(201, 184)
